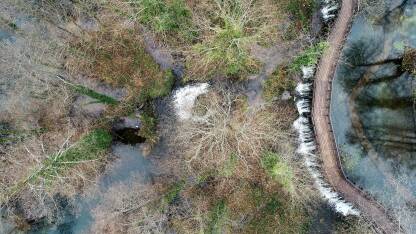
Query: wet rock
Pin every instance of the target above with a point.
(286, 96)
(128, 122)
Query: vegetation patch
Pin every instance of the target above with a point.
(228, 33)
(9, 135)
(87, 149)
(277, 83)
(309, 57)
(275, 212)
(217, 218)
(301, 11)
(230, 166)
(156, 88)
(278, 170)
(117, 56)
(173, 193)
(166, 18)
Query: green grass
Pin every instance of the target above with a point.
(166, 17)
(308, 57)
(101, 98)
(217, 218)
(278, 170)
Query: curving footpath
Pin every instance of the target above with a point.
(331, 166)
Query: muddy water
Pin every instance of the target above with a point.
(373, 108)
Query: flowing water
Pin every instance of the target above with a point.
(373, 108)
(307, 145)
(306, 137)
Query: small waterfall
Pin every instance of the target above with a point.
(185, 97)
(328, 10)
(307, 145)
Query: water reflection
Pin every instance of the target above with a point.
(373, 111)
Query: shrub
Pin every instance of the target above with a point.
(309, 57)
(223, 128)
(277, 83)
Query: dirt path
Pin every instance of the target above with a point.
(324, 136)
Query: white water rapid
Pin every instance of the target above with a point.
(185, 97)
(328, 10)
(307, 144)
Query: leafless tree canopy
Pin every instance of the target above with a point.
(223, 125)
